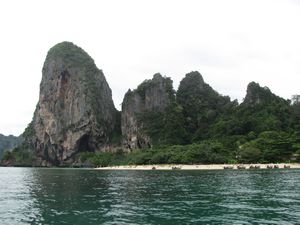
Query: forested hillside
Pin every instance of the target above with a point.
(8, 143)
(76, 123)
(202, 126)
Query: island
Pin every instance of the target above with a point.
(75, 123)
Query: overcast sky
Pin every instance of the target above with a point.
(229, 42)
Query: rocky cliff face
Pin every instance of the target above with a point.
(150, 96)
(257, 95)
(201, 104)
(75, 111)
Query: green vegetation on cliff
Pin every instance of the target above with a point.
(264, 128)
(196, 124)
(204, 127)
(268, 147)
(75, 111)
(92, 78)
(201, 126)
(21, 154)
(70, 53)
(7, 143)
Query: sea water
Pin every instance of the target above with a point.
(83, 196)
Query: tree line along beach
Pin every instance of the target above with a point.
(204, 167)
(76, 124)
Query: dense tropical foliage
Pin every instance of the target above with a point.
(202, 126)
(7, 143)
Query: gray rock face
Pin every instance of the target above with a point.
(257, 94)
(75, 111)
(152, 95)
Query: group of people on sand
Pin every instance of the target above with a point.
(269, 166)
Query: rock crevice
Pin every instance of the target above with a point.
(151, 96)
(75, 111)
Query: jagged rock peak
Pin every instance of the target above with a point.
(157, 77)
(75, 111)
(257, 94)
(193, 78)
(195, 75)
(192, 82)
(193, 86)
(156, 93)
(66, 50)
(200, 104)
(151, 95)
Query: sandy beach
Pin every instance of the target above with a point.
(204, 167)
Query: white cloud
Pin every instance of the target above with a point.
(229, 42)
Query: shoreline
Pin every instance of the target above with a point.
(255, 166)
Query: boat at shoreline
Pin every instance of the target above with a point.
(204, 167)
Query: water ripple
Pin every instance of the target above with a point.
(64, 196)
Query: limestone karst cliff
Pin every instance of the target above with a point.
(259, 95)
(260, 104)
(75, 111)
(202, 105)
(150, 96)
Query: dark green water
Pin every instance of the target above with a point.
(70, 196)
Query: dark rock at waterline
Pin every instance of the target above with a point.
(75, 111)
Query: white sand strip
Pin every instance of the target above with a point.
(203, 167)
